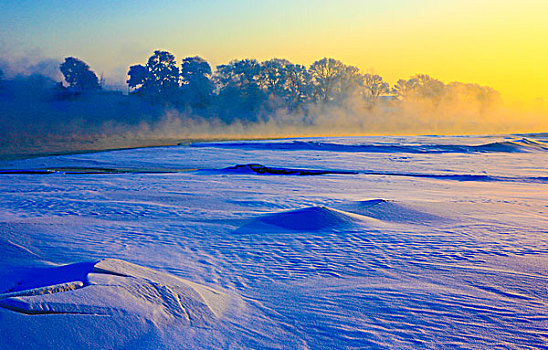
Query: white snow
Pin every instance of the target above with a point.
(437, 244)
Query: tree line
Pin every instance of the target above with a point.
(246, 87)
(174, 97)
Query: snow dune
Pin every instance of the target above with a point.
(309, 219)
(368, 214)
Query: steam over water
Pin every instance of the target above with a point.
(40, 116)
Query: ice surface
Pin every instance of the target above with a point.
(395, 242)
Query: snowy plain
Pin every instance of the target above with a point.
(316, 243)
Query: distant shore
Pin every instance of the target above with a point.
(64, 147)
(16, 152)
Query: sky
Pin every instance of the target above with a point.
(502, 43)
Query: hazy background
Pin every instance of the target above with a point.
(500, 44)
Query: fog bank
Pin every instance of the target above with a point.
(38, 114)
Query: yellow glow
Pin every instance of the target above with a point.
(499, 43)
(502, 44)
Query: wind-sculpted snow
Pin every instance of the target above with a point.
(517, 145)
(241, 248)
(113, 286)
(463, 177)
(390, 211)
(56, 288)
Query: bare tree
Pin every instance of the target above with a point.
(404, 88)
(373, 87)
(272, 76)
(325, 73)
(298, 85)
(332, 79)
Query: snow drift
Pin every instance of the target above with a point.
(391, 211)
(113, 286)
(305, 220)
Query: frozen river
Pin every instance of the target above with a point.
(316, 243)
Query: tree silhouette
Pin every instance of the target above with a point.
(158, 79)
(78, 75)
(241, 74)
(430, 88)
(162, 78)
(238, 86)
(325, 73)
(348, 82)
(196, 84)
(272, 76)
(404, 88)
(137, 76)
(298, 85)
(248, 90)
(332, 79)
(373, 87)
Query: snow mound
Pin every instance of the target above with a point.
(114, 287)
(391, 211)
(305, 219)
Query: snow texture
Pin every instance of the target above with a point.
(323, 243)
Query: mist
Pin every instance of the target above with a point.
(42, 113)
